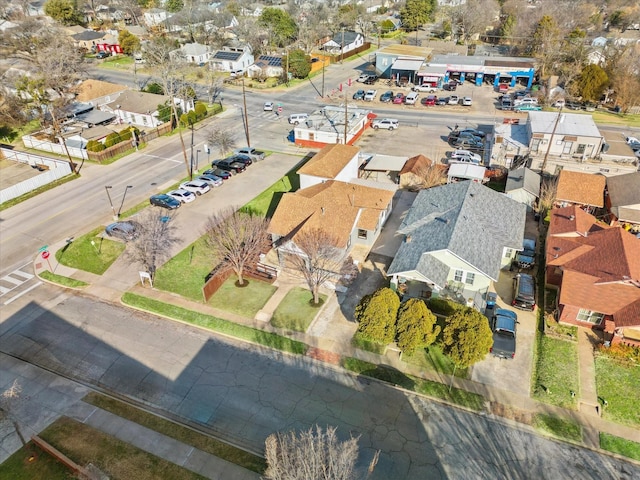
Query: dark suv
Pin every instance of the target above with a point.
(524, 292)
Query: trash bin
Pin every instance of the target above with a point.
(491, 299)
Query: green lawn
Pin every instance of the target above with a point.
(409, 382)
(24, 465)
(119, 460)
(245, 301)
(558, 427)
(210, 322)
(295, 312)
(119, 61)
(619, 385)
(362, 343)
(556, 372)
(266, 202)
(61, 280)
(178, 432)
(433, 359)
(620, 446)
(37, 191)
(95, 258)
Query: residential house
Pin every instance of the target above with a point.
(350, 213)
(232, 59)
(523, 185)
(564, 135)
(98, 92)
(88, 39)
(194, 53)
(155, 17)
(457, 239)
(267, 66)
(343, 42)
(622, 200)
(583, 189)
(333, 162)
(137, 108)
(597, 270)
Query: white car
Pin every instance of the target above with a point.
(631, 140)
(212, 180)
(466, 153)
(388, 123)
(467, 101)
(363, 77)
(425, 88)
(453, 100)
(196, 186)
(560, 103)
(526, 101)
(268, 107)
(183, 196)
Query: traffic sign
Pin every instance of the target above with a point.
(42, 249)
(45, 254)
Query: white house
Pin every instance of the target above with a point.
(327, 125)
(343, 42)
(155, 16)
(194, 53)
(231, 59)
(141, 108)
(333, 162)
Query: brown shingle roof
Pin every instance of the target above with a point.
(581, 188)
(329, 161)
(90, 89)
(571, 220)
(332, 206)
(415, 164)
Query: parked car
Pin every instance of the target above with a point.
(425, 88)
(456, 134)
(233, 167)
(359, 95)
(429, 101)
(442, 101)
(371, 80)
(399, 98)
(527, 107)
(411, 98)
(466, 154)
(212, 180)
(573, 106)
(363, 77)
(631, 140)
(182, 195)
(467, 101)
(252, 153)
(468, 144)
(506, 103)
(451, 86)
(453, 100)
(124, 230)
(524, 292)
(296, 118)
(521, 94)
(388, 123)
(503, 87)
(503, 325)
(473, 131)
(267, 107)
(527, 257)
(386, 96)
(199, 187)
(370, 95)
(164, 201)
(244, 159)
(101, 55)
(526, 101)
(218, 172)
(560, 103)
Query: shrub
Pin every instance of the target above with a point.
(416, 326)
(125, 134)
(621, 353)
(444, 307)
(377, 315)
(95, 146)
(201, 110)
(111, 140)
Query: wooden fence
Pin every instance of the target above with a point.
(122, 147)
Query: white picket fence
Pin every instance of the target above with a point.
(56, 170)
(54, 147)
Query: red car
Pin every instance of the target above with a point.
(430, 101)
(399, 98)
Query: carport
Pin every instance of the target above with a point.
(404, 70)
(388, 165)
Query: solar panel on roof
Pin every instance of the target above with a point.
(271, 60)
(227, 55)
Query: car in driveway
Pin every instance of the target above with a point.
(182, 195)
(454, 99)
(123, 230)
(218, 172)
(524, 292)
(388, 123)
(386, 96)
(212, 180)
(399, 98)
(467, 101)
(359, 95)
(102, 55)
(199, 187)
(527, 257)
(503, 326)
(165, 201)
(267, 107)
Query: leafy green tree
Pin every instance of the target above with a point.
(387, 26)
(416, 13)
(416, 326)
(164, 113)
(64, 11)
(129, 42)
(174, 5)
(154, 88)
(282, 27)
(376, 314)
(592, 82)
(298, 62)
(201, 110)
(467, 337)
(508, 26)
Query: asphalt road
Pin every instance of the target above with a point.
(245, 393)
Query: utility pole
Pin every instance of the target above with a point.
(324, 62)
(346, 117)
(246, 119)
(553, 132)
(342, 47)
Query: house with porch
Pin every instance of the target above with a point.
(457, 238)
(195, 53)
(141, 108)
(343, 42)
(579, 188)
(597, 271)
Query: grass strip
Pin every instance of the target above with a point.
(30, 463)
(362, 343)
(556, 372)
(62, 280)
(210, 322)
(558, 427)
(37, 191)
(90, 252)
(621, 446)
(118, 459)
(178, 432)
(617, 383)
(454, 395)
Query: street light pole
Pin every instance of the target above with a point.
(123, 197)
(197, 159)
(107, 187)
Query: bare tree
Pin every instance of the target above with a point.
(548, 190)
(215, 86)
(475, 16)
(427, 177)
(311, 454)
(318, 258)
(156, 235)
(625, 78)
(223, 140)
(237, 238)
(7, 400)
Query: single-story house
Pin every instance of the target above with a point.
(232, 59)
(267, 66)
(88, 39)
(343, 42)
(597, 270)
(523, 185)
(194, 53)
(137, 108)
(623, 200)
(98, 92)
(578, 188)
(457, 239)
(327, 125)
(333, 162)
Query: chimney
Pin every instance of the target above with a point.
(322, 210)
(572, 217)
(407, 239)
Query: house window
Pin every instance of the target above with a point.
(535, 144)
(362, 234)
(581, 148)
(508, 252)
(469, 278)
(567, 148)
(457, 276)
(590, 316)
(144, 119)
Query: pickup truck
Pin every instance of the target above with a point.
(370, 95)
(527, 257)
(425, 88)
(503, 326)
(252, 153)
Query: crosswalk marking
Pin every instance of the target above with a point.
(8, 279)
(20, 273)
(15, 279)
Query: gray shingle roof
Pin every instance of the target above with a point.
(524, 178)
(470, 220)
(88, 35)
(624, 189)
(349, 37)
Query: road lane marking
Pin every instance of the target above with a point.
(23, 292)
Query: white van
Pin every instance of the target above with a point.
(411, 98)
(296, 118)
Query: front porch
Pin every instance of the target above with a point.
(454, 291)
